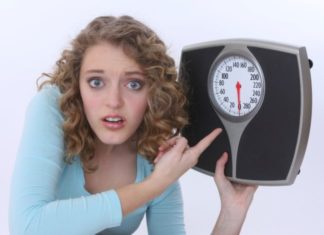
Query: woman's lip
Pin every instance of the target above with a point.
(114, 125)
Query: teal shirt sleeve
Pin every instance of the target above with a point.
(34, 208)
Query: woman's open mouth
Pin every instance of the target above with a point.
(114, 122)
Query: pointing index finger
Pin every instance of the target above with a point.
(205, 142)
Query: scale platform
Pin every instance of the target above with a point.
(260, 93)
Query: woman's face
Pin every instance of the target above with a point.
(114, 92)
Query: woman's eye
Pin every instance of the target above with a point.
(95, 83)
(135, 85)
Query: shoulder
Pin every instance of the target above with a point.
(144, 166)
(171, 194)
(46, 102)
(48, 94)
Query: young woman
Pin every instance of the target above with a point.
(101, 144)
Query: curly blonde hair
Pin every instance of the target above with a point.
(165, 115)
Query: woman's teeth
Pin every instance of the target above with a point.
(113, 119)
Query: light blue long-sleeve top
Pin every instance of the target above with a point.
(48, 195)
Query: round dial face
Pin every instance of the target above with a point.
(236, 85)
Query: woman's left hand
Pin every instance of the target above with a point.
(232, 194)
(235, 201)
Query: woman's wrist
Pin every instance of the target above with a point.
(229, 222)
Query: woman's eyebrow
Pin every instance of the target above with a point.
(94, 71)
(134, 73)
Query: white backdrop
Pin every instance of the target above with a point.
(33, 33)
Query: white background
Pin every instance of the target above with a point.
(33, 33)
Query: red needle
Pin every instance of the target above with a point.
(238, 89)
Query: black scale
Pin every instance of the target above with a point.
(260, 94)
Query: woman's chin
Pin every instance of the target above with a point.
(114, 140)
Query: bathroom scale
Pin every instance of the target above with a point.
(259, 93)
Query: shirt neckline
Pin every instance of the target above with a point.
(139, 174)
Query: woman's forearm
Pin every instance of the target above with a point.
(134, 196)
(228, 223)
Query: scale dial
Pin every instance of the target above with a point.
(236, 86)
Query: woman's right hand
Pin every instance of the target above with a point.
(176, 157)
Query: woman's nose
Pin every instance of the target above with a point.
(114, 98)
